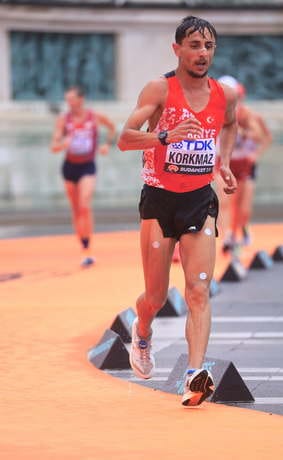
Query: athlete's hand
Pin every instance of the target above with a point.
(190, 128)
(229, 179)
(104, 149)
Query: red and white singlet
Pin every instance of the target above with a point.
(83, 138)
(186, 165)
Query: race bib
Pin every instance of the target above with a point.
(81, 143)
(190, 156)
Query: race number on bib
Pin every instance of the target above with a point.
(191, 156)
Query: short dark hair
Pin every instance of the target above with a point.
(193, 24)
(78, 90)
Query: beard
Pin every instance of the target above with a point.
(196, 75)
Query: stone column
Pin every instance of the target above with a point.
(5, 80)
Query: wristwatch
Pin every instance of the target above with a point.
(162, 136)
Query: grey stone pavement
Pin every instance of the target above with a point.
(247, 330)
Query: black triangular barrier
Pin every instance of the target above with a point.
(234, 272)
(175, 304)
(277, 255)
(229, 385)
(214, 288)
(122, 324)
(110, 352)
(261, 260)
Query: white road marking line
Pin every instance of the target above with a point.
(265, 378)
(245, 342)
(269, 400)
(248, 378)
(158, 370)
(167, 370)
(246, 335)
(268, 370)
(247, 319)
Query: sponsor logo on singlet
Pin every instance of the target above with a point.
(190, 156)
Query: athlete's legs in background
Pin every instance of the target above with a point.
(198, 260)
(86, 187)
(72, 195)
(237, 209)
(247, 206)
(80, 196)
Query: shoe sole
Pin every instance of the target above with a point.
(87, 265)
(201, 388)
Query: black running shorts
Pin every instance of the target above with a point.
(179, 213)
(73, 172)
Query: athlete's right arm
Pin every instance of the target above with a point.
(150, 100)
(59, 142)
(149, 107)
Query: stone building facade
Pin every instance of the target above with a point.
(112, 48)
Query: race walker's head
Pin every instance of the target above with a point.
(195, 43)
(191, 24)
(74, 97)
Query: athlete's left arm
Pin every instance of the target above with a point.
(227, 140)
(111, 132)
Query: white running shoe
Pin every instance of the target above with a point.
(141, 359)
(198, 386)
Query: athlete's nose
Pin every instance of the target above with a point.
(203, 50)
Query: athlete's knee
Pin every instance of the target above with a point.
(84, 209)
(155, 301)
(197, 293)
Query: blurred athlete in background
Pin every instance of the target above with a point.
(253, 139)
(76, 133)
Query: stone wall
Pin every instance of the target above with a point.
(29, 174)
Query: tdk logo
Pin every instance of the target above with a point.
(194, 144)
(191, 156)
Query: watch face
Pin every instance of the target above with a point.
(162, 137)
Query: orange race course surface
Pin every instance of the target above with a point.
(56, 405)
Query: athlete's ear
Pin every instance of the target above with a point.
(176, 48)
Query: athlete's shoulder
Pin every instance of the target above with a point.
(161, 82)
(155, 90)
(157, 84)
